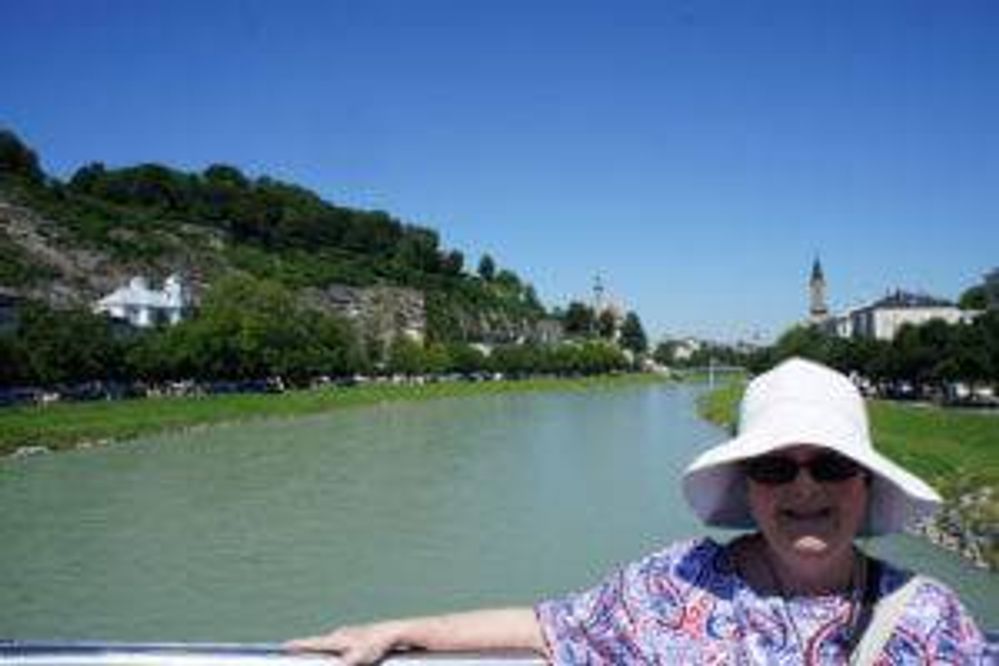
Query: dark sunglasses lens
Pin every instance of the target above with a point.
(772, 470)
(833, 468)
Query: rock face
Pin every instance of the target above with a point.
(77, 275)
(381, 313)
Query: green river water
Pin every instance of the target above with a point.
(265, 530)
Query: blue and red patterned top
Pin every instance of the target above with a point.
(687, 604)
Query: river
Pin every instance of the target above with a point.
(264, 530)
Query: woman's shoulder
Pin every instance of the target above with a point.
(892, 578)
(933, 606)
(701, 563)
(685, 554)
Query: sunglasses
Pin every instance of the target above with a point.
(824, 468)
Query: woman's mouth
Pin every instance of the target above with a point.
(806, 515)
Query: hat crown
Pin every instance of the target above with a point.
(798, 383)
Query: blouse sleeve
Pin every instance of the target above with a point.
(620, 620)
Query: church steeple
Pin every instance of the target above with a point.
(817, 275)
(817, 309)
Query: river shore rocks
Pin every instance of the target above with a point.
(965, 525)
(28, 451)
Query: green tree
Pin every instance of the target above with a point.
(87, 178)
(17, 159)
(663, 353)
(406, 357)
(64, 346)
(487, 268)
(633, 334)
(974, 298)
(453, 263)
(606, 324)
(579, 320)
(805, 341)
(437, 358)
(252, 329)
(466, 359)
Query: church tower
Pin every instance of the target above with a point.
(817, 310)
(598, 295)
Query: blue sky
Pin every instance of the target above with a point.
(696, 154)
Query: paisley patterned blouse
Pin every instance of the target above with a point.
(686, 604)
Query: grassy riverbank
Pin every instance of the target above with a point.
(957, 451)
(68, 425)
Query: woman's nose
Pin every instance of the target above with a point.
(804, 484)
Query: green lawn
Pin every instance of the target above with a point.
(949, 447)
(64, 425)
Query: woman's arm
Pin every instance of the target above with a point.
(499, 629)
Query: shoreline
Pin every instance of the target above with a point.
(41, 429)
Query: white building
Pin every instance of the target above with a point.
(684, 349)
(883, 318)
(141, 306)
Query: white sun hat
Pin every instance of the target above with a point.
(802, 402)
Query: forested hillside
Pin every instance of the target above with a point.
(68, 242)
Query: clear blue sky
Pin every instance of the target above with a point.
(696, 154)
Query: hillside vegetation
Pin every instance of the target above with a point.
(74, 240)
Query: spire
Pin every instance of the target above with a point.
(817, 309)
(817, 275)
(598, 294)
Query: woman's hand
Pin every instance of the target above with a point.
(361, 644)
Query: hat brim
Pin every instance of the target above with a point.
(715, 486)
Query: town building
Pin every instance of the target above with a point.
(880, 319)
(548, 331)
(140, 306)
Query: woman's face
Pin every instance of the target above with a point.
(806, 522)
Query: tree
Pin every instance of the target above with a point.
(633, 335)
(453, 263)
(487, 268)
(87, 177)
(417, 249)
(224, 174)
(18, 159)
(253, 329)
(59, 346)
(974, 298)
(663, 353)
(579, 320)
(606, 324)
(805, 341)
(406, 357)
(466, 359)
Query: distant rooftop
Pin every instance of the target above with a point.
(904, 299)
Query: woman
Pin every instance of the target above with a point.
(803, 473)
